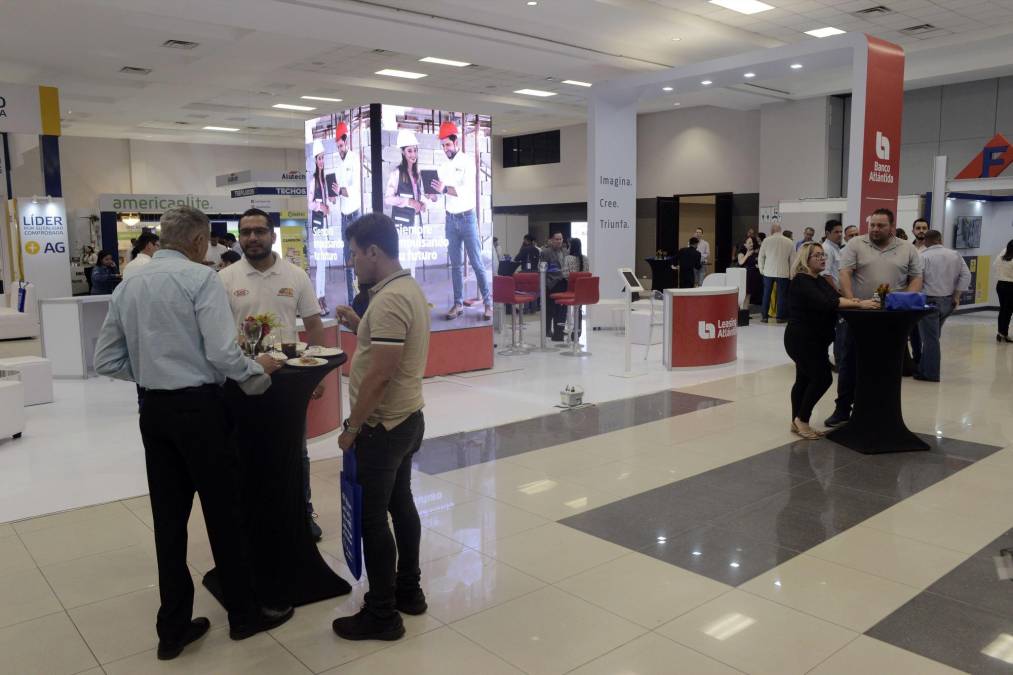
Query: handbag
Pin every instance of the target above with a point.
(903, 300)
(351, 513)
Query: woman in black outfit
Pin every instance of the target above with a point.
(1004, 288)
(812, 314)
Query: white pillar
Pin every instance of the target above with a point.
(938, 208)
(612, 191)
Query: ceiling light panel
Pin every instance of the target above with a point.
(577, 83)
(743, 6)
(825, 32)
(290, 106)
(221, 129)
(535, 92)
(320, 98)
(445, 62)
(405, 74)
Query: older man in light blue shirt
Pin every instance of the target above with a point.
(170, 330)
(945, 276)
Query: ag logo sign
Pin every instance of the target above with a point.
(32, 247)
(3, 107)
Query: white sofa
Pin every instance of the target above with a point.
(12, 409)
(15, 324)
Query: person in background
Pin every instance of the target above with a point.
(576, 261)
(812, 314)
(920, 228)
(790, 235)
(775, 265)
(495, 249)
(747, 258)
(1004, 289)
(230, 257)
(404, 188)
(850, 232)
(901, 234)
(945, 276)
(144, 247)
(105, 276)
(231, 243)
(527, 256)
(213, 257)
(265, 283)
(705, 255)
(88, 260)
(385, 427)
(867, 262)
(555, 282)
(689, 262)
(807, 236)
(457, 183)
(321, 196)
(347, 189)
(832, 243)
(169, 329)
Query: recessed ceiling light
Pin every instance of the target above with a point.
(706, 83)
(406, 74)
(577, 83)
(320, 98)
(444, 62)
(291, 106)
(535, 92)
(666, 89)
(743, 6)
(825, 32)
(796, 66)
(220, 129)
(532, 3)
(677, 104)
(676, 39)
(749, 76)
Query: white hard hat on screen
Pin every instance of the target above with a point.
(318, 147)
(406, 138)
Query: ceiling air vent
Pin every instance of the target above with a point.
(180, 44)
(921, 30)
(873, 11)
(133, 70)
(379, 51)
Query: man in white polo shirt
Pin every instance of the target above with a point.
(263, 282)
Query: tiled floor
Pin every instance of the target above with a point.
(690, 533)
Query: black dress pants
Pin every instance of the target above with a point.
(1005, 291)
(385, 474)
(188, 449)
(813, 376)
(555, 314)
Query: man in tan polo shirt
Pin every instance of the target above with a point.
(386, 427)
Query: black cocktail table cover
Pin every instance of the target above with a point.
(877, 423)
(662, 274)
(269, 430)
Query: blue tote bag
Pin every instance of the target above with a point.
(351, 513)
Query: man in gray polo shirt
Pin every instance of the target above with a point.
(867, 262)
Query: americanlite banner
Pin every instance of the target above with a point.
(42, 234)
(877, 104)
(26, 109)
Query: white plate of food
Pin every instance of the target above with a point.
(278, 356)
(317, 350)
(306, 362)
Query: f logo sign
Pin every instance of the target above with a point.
(882, 146)
(706, 331)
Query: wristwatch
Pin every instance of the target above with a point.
(350, 429)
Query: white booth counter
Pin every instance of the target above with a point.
(70, 328)
(701, 326)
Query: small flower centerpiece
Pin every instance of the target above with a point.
(255, 329)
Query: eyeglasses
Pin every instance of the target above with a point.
(819, 256)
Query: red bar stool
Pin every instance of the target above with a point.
(586, 292)
(569, 331)
(528, 282)
(504, 292)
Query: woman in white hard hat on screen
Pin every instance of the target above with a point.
(405, 190)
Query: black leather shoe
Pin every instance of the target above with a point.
(367, 626)
(411, 602)
(268, 619)
(195, 631)
(836, 420)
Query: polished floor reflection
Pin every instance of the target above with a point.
(682, 529)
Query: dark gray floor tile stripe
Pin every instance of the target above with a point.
(740, 520)
(456, 451)
(965, 619)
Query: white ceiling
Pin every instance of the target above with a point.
(254, 53)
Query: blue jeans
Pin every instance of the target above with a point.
(930, 327)
(462, 228)
(782, 297)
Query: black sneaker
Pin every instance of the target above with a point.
(411, 602)
(315, 530)
(266, 620)
(367, 626)
(837, 419)
(195, 631)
